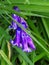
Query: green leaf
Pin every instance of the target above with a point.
(5, 57)
(4, 48)
(38, 57)
(23, 55)
(46, 25)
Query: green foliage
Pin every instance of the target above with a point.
(36, 14)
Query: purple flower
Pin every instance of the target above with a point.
(22, 39)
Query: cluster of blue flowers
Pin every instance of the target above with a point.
(22, 39)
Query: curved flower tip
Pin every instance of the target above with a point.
(27, 50)
(12, 42)
(16, 8)
(13, 25)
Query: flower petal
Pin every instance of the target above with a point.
(23, 22)
(30, 42)
(18, 32)
(27, 50)
(13, 25)
(16, 17)
(24, 43)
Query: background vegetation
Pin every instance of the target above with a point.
(36, 14)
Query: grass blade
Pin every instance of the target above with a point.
(5, 57)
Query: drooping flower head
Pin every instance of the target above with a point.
(22, 39)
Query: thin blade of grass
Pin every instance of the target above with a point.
(23, 55)
(46, 25)
(5, 57)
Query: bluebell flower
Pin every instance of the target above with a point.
(22, 39)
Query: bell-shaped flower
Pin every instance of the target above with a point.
(22, 39)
